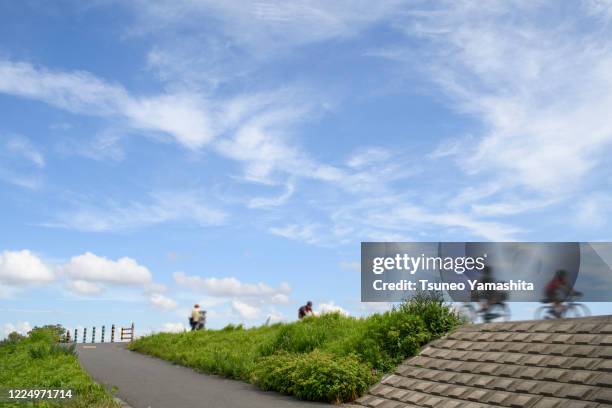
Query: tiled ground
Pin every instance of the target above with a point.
(541, 364)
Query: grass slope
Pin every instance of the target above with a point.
(38, 361)
(330, 358)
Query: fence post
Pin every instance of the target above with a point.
(93, 335)
(132, 331)
(84, 334)
(102, 339)
(113, 333)
(76, 333)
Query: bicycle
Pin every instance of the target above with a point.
(496, 312)
(570, 309)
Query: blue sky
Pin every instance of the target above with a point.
(154, 154)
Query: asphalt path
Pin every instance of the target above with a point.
(148, 382)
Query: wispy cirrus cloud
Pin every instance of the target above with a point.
(21, 161)
(541, 94)
(162, 207)
(269, 24)
(182, 116)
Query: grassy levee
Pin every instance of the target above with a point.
(331, 358)
(39, 362)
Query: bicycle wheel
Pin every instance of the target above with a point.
(468, 312)
(543, 312)
(576, 310)
(497, 313)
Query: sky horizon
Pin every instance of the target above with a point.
(157, 154)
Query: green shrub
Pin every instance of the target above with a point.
(231, 327)
(49, 333)
(391, 337)
(331, 357)
(437, 316)
(314, 376)
(38, 361)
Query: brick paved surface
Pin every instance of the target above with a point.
(541, 364)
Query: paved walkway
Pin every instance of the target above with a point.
(147, 382)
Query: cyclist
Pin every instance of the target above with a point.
(488, 297)
(305, 310)
(556, 291)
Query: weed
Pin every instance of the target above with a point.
(326, 358)
(38, 361)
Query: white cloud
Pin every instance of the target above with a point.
(449, 148)
(173, 328)
(23, 268)
(20, 146)
(369, 156)
(93, 268)
(245, 310)
(305, 232)
(510, 207)
(541, 91)
(155, 287)
(375, 307)
(394, 218)
(592, 211)
(181, 116)
(330, 307)
(21, 162)
(260, 138)
(267, 26)
(163, 207)
(599, 8)
(280, 298)
(162, 302)
(84, 287)
(230, 287)
(21, 327)
(407, 215)
(264, 202)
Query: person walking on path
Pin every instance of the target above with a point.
(195, 317)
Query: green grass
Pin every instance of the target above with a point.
(327, 358)
(38, 361)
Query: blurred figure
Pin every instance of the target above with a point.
(557, 290)
(305, 310)
(489, 298)
(194, 318)
(201, 323)
(486, 297)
